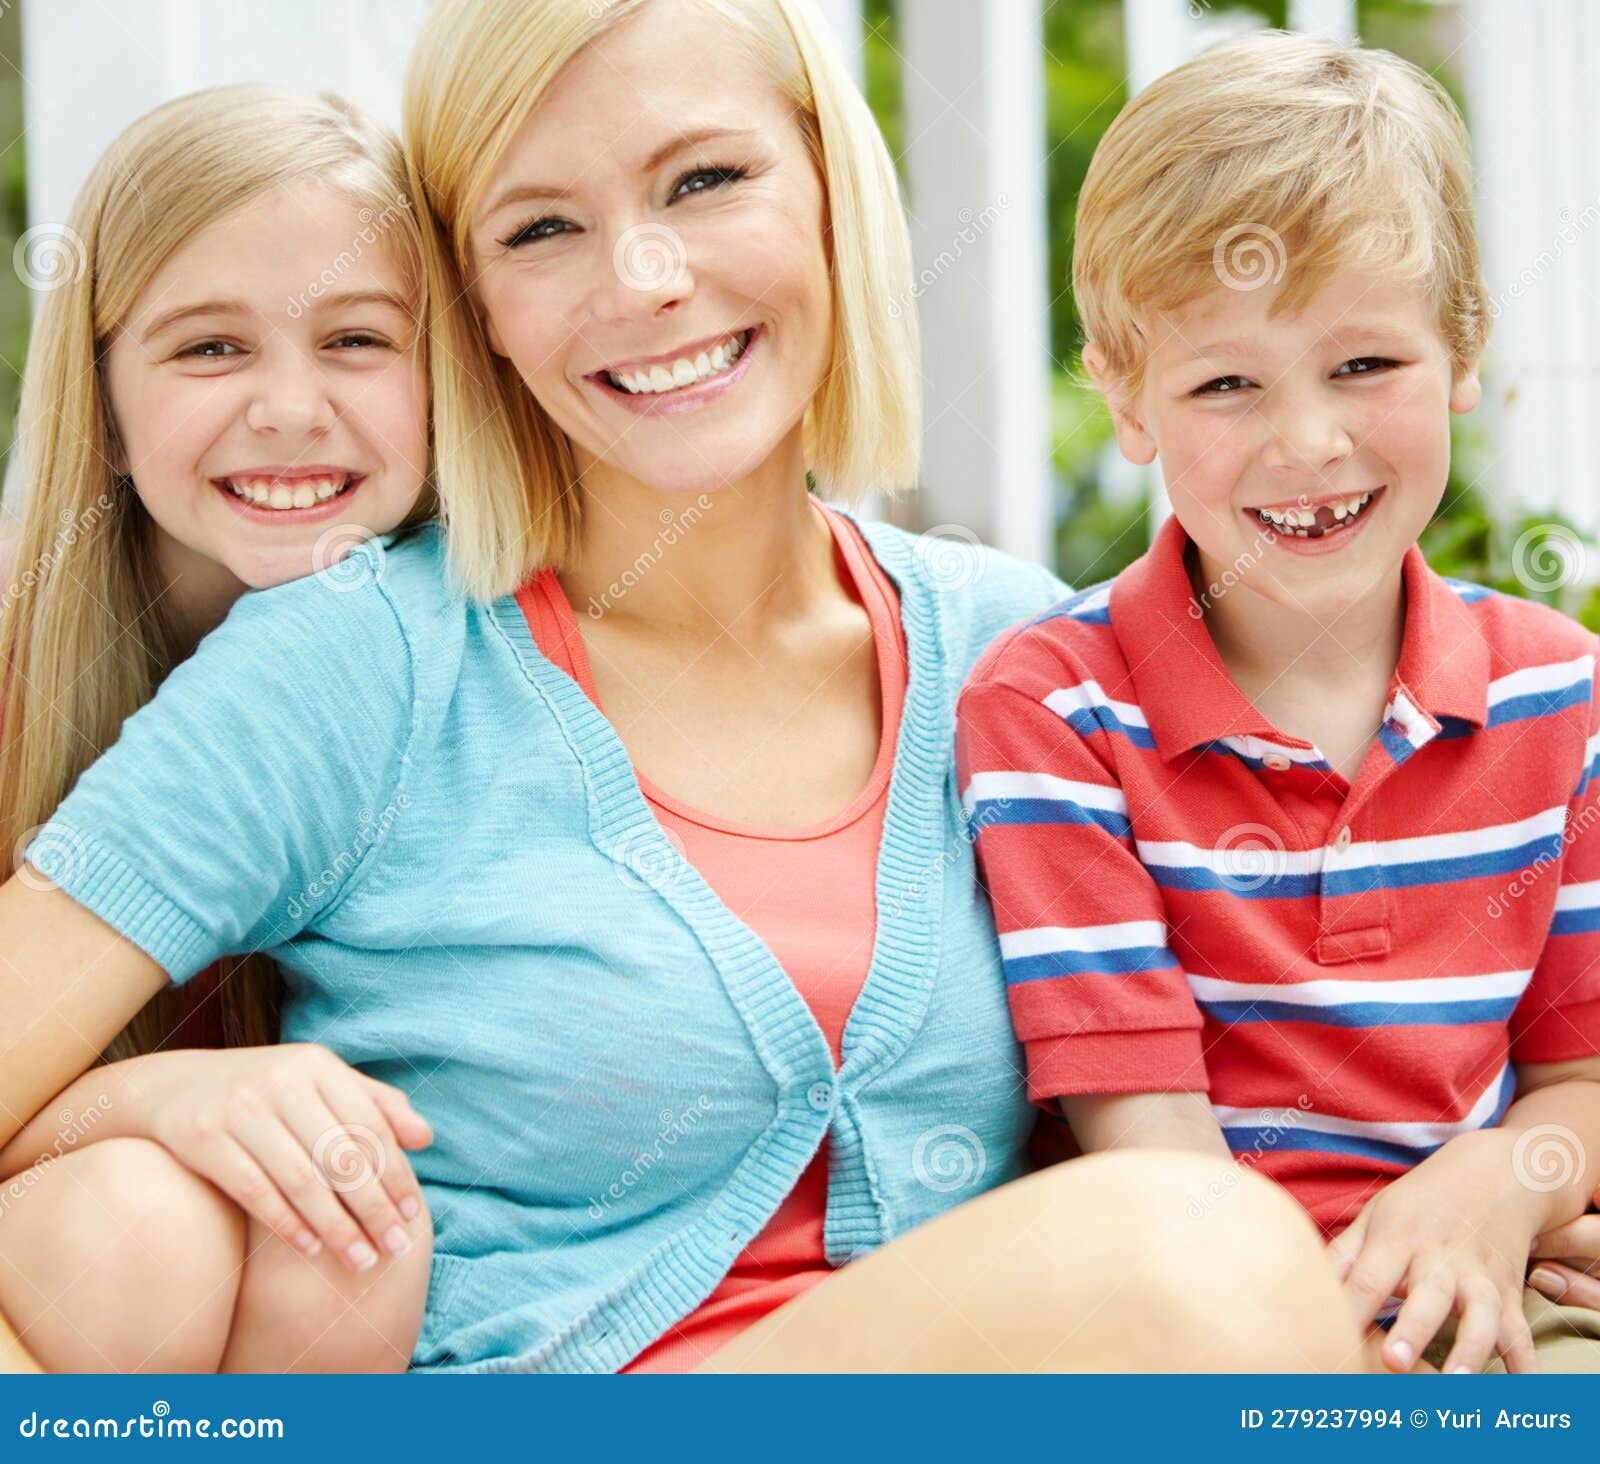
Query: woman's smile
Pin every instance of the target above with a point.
(698, 376)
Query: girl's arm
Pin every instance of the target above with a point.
(1144, 1121)
(68, 984)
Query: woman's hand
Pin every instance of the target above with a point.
(1567, 1268)
(292, 1134)
(1451, 1237)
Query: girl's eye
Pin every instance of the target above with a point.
(1369, 364)
(208, 350)
(716, 176)
(357, 338)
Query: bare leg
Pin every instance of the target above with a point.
(1137, 1261)
(116, 1258)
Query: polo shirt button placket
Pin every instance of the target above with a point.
(1277, 762)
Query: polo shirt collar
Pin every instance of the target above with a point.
(1189, 699)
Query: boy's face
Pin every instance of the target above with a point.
(1337, 416)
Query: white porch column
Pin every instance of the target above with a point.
(973, 84)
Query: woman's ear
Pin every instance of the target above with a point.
(1135, 441)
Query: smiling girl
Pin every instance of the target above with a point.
(228, 394)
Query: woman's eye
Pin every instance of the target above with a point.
(1368, 365)
(208, 350)
(705, 178)
(537, 229)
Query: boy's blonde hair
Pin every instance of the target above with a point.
(85, 636)
(506, 474)
(1277, 156)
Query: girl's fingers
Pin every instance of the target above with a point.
(283, 1156)
(349, 1152)
(411, 1129)
(1478, 1328)
(1566, 1285)
(1427, 1304)
(1580, 1237)
(1372, 1280)
(352, 1099)
(1516, 1337)
(230, 1166)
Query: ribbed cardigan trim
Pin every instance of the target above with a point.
(889, 1009)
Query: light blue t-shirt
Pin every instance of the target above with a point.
(441, 841)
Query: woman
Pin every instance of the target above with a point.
(639, 967)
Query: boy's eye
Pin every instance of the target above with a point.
(1368, 365)
(1222, 386)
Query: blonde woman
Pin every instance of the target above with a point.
(671, 927)
(225, 391)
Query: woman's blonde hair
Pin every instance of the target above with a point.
(1271, 156)
(505, 472)
(85, 637)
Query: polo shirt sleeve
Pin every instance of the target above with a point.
(1097, 996)
(239, 803)
(1558, 1017)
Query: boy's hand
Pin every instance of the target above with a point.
(1452, 1237)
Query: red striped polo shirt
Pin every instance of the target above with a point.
(1189, 899)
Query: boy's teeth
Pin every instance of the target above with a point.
(277, 493)
(1304, 523)
(683, 371)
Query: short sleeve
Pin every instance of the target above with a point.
(1558, 1017)
(240, 802)
(1097, 996)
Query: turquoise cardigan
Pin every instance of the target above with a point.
(441, 841)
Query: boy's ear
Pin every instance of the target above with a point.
(1137, 445)
(1466, 391)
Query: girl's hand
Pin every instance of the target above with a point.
(295, 1136)
(1567, 1261)
(1451, 1237)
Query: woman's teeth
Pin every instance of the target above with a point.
(684, 371)
(1315, 523)
(276, 493)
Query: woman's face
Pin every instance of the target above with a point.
(271, 420)
(650, 255)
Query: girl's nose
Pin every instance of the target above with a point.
(289, 399)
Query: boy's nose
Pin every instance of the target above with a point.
(1307, 438)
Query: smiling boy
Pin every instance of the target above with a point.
(1248, 813)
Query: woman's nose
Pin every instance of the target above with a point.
(648, 271)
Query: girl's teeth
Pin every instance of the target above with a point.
(302, 493)
(683, 372)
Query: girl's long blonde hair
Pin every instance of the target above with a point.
(85, 636)
(505, 472)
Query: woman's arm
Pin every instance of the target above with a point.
(68, 984)
(1144, 1121)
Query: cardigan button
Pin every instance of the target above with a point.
(820, 1096)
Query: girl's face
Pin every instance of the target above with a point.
(650, 255)
(269, 391)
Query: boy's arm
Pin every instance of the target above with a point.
(1097, 997)
(1555, 1135)
(1144, 1121)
